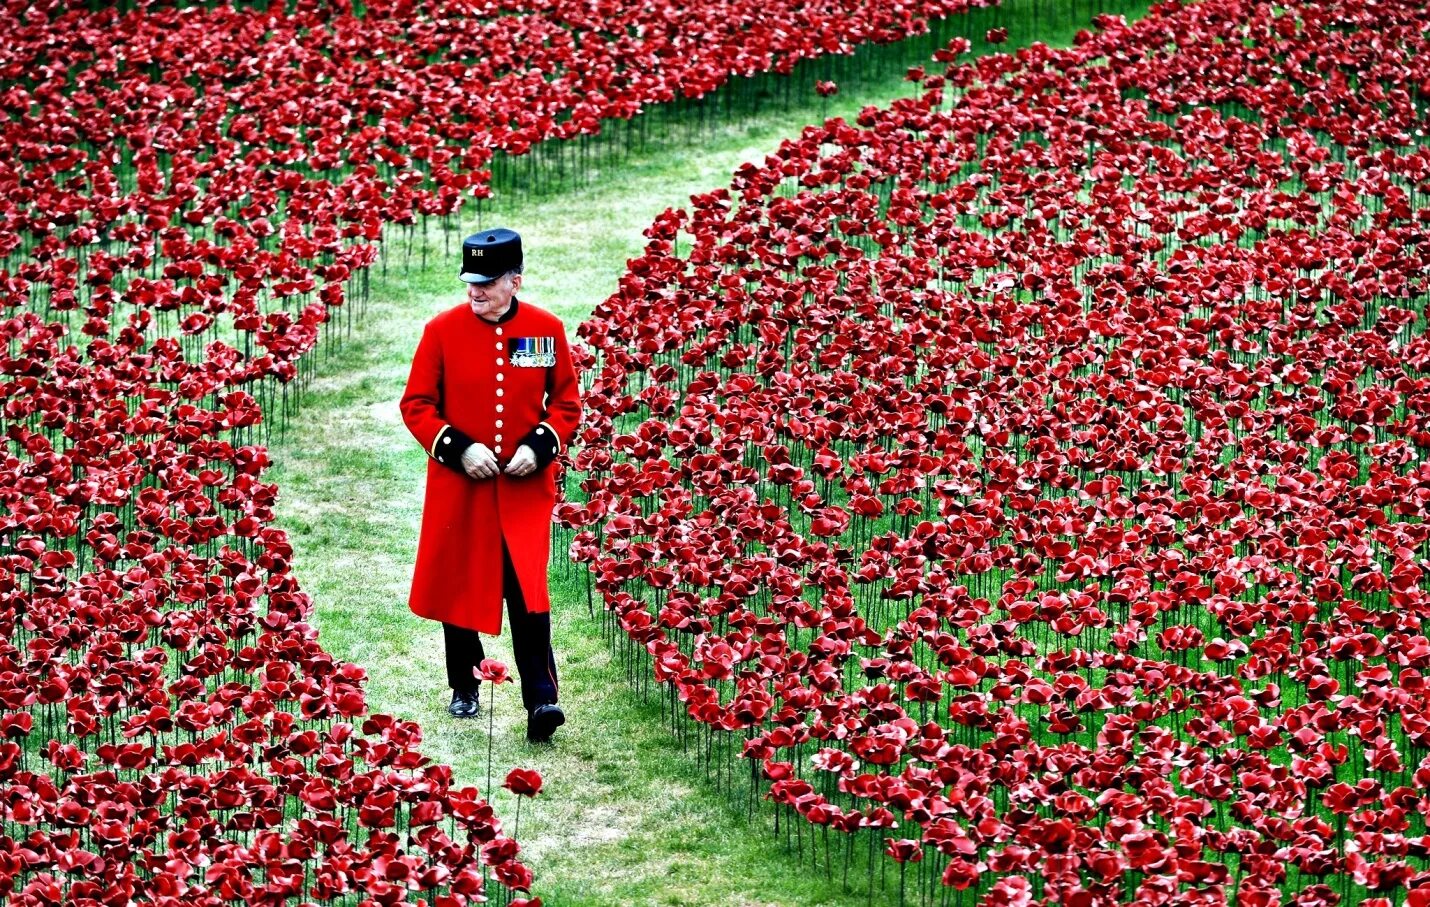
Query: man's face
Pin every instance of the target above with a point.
(491, 300)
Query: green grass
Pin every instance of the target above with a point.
(625, 817)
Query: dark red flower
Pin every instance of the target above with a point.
(524, 782)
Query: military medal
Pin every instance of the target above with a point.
(534, 351)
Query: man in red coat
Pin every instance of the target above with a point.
(492, 398)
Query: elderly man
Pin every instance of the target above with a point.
(492, 398)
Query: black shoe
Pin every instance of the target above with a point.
(543, 722)
(465, 704)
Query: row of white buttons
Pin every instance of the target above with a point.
(500, 393)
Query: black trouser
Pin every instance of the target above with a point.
(530, 645)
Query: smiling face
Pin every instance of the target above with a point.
(491, 300)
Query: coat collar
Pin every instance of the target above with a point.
(507, 316)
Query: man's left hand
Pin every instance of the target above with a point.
(523, 462)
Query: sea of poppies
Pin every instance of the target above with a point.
(1027, 478)
(1024, 478)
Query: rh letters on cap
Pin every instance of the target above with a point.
(534, 351)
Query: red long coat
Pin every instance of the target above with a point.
(464, 387)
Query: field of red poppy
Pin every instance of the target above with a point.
(1024, 479)
(1008, 491)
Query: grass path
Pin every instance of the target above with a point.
(625, 816)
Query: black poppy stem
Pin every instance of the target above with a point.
(491, 730)
(516, 832)
(494, 672)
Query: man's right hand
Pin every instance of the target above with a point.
(478, 461)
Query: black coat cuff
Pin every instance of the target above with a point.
(447, 447)
(543, 442)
